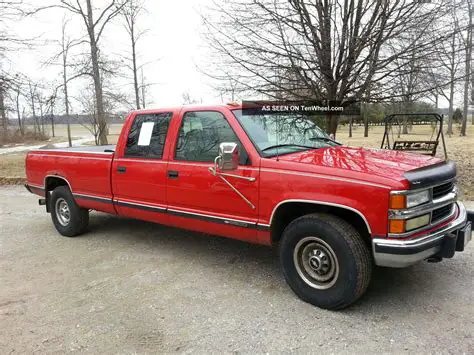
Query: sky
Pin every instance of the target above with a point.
(173, 47)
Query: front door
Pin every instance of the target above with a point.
(139, 170)
(196, 198)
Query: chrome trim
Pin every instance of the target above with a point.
(430, 225)
(401, 257)
(95, 197)
(56, 150)
(316, 202)
(211, 216)
(159, 208)
(401, 192)
(425, 208)
(422, 209)
(59, 177)
(70, 156)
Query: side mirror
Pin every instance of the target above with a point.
(228, 158)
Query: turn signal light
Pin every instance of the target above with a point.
(397, 202)
(396, 226)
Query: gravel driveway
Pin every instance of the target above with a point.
(135, 287)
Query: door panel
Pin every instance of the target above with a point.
(199, 200)
(139, 172)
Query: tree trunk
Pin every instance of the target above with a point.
(451, 109)
(42, 119)
(66, 96)
(52, 123)
(135, 74)
(451, 88)
(467, 71)
(35, 119)
(143, 91)
(20, 123)
(66, 101)
(350, 127)
(366, 122)
(99, 97)
(3, 114)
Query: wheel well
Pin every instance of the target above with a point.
(288, 212)
(50, 183)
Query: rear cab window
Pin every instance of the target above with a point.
(147, 135)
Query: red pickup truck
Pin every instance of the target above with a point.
(333, 211)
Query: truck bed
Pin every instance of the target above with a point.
(86, 170)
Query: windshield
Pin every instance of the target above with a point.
(283, 133)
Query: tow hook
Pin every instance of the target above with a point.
(42, 201)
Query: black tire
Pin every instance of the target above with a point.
(78, 217)
(304, 250)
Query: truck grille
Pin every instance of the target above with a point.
(441, 213)
(443, 189)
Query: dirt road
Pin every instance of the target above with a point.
(135, 287)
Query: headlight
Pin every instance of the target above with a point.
(402, 226)
(417, 222)
(408, 200)
(418, 198)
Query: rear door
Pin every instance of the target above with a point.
(199, 200)
(139, 169)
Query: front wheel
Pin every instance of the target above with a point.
(325, 261)
(68, 218)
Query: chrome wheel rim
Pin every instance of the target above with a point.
(63, 214)
(316, 263)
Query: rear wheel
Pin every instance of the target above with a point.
(325, 261)
(69, 219)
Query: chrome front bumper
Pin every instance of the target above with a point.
(402, 253)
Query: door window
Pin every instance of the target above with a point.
(201, 133)
(147, 135)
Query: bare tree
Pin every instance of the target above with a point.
(95, 23)
(319, 49)
(131, 12)
(187, 99)
(66, 44)
(112, 99)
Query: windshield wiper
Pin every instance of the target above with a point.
(288, 145)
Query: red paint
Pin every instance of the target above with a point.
(357, 178)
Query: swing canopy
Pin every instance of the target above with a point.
(412, 131)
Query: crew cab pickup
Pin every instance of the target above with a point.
(333, 211)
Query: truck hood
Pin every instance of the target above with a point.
(389, 164)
